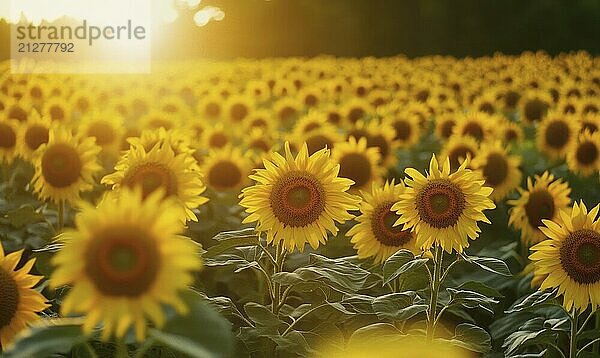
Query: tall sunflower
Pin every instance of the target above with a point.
(570, 259)
(499, 169)
(443, 208)
(358, 163)
(65, 166)
(543, 199)
(583, 157)
(124, 259)
(19, 302)
(160, 169)
(374, 235)
(298, 200)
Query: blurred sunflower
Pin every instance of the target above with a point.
(217, 136)
(356, 109)
(81, 103)
(374, 235)
(458, 149)
(358, 163)
(571, 257)
(160, 169)
(499, 169)
(583, 157)
(156, 119)
(260, 118)
(17, 110)
(226, 169)
(286, 110)
(511, 132)
(259, 141)
(32, 134)
(543, 199)
(556, 133)
(444, 126)
(106, 128)
(324, 137)
(9, 129)
(534, 106)
(65, 166)
(475, 125)
(590, 122)
(380, 135)
(124, 260)
(298, 200)
(19, 302)
(237, 108)
(443, 208)
(313, 120)
(57, 109)
(407, 131)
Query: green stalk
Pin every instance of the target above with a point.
(61, 215)
(596, 347)
(573, 337)
(435, 287)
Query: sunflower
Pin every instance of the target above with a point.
(210, 107)
(443, 208)
(9, 129)
(19, 302)
(381, 135)
(259, 141)
(407, 130)
(65, 166)
(217, 136)
(106, 128)
(543, 199)
(17, 110)
(499, 169)
(311, 121)
(556, 133)
(534, 106)
(237, 108)
(458, 149)
(226, 169)
(32, 134)
(374, 235)
(583, 157)
(310, 96)
(511, 132)
(260, 118)
(317, 139)
(475, 125)
(358, 163)
(444, 126)
(124, 260)
(160, 169)
(298, 200)
(286, 110)
(356, 109)
(81, 103)
(57, 109)
(571, 257)
(258, 90)
(590, 122)
(156, 119)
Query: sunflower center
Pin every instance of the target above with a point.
(225, 175)
(334, 118)
(103, 132)
(311, 126)
(511, 98)
(297, 199)
(357, 167)
(440, 203)
(61, 165)
(403, 130)
(590, 127)
(122, 261)
(587, 153)
(510, 135)
(380, 142)
(535, 109)
(355, 114)
(459, 153)
(218, 140)
(36, 136)
(317, 142)
(57, 113)
(447, 128)
(473, 129)
(382, 225)
(238, 112)
(557, 134)
(540, 206)
(9, 298)
(495, 170)
(580, 256)
(150, 177)
(8, 137)
(18, 113)
(212, 109)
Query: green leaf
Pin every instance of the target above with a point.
(44, 340)
(471, 337)
(226, 245)
(374, 331)
(481, 288)
(534, 300)
(200, 333)
(401, 262)
(261, 315)
(23, 215)
(397, 306)
(471, 299)
(489, 264)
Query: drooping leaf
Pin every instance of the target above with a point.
(399, 263)
(471, 337)
(489, 264)
(47, 339)
(535, 299)
(397, 306)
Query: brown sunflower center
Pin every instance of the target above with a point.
(8, 137)
(287, 113)
(587, 153)
(458, 154)
(589, 126)
(57, 113)
(150, 177)
(18, 113)
(61, 165)
(557, 134)
(218, 140)
(355, 114)
(440, 203)
(511, 98)
(122, 261)
(382, 225)
(357, 167)
(212, 110)
(380, 142)
(580, 256)
(35, 136)
(103, 132)
(224, 175)
(403, 130)
(510, 135)
(297, 199)
(540, 206)
(473, 129)
(238, 112)
(487, 108)
(334, 117)
(318, 142)
(535, 109)
(9, 298)
(495, 170)
(447, 128)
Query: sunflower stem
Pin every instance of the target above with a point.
(279, 257)
(573, 337)
(596, 348)
(61, 215)
(435, 287)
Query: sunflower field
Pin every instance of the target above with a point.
(304, 207)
